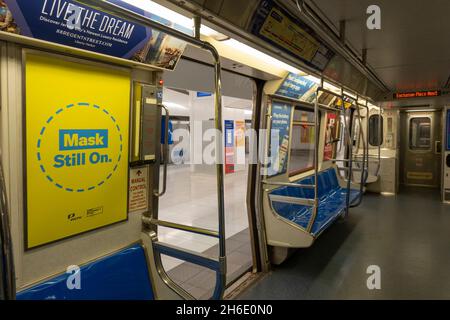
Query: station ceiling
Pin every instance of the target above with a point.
(412, 49)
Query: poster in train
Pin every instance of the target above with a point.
(70, 23)
(240, 141)
(279, 138)
(275, 25)
(298, 87)
(77, 123)
(330, 136)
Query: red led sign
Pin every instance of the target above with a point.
(417, 94)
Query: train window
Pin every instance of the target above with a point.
(302, 143)
(420, 133)
(376, 130)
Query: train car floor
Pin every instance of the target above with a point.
(200, 282)
(407, 236)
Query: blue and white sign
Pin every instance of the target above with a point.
(298, 87)
(70, 23)
(203, 94)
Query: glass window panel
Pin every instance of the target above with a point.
(302, 143)
(376, 130)
(420, 133)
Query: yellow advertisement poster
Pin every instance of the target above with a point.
(284, 32)
(77, 119)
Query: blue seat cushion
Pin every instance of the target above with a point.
(120, 276)
(332, 201)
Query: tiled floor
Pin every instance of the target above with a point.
(191, 199)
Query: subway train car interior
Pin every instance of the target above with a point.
(224, 150)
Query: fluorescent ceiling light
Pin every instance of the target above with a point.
(163, 12)
(248, 112)
(175, 17)
(209, 32)
(260, 55)
(349, 94)
(331, 87)
(173, 105)
(313, 79)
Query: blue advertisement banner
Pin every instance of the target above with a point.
(69, 23)
(298, 87)
(279, 138)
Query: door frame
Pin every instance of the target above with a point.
(435, 116)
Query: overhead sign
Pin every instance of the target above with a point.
(417, 94)
(279, 137)
(298, 87)
(278, 27)
(69, 23)
(138, 198)
(77, 119)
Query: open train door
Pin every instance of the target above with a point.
(152, 160)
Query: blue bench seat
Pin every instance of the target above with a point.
(332, 201)
(121, 276)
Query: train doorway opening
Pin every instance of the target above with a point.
(191, 193)
(420, 148)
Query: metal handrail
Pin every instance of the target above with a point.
(353, 169)
(8, 276)
(182, 227)
(285, 184)
(380, 136)
(124, 13)
(365, 168)
(292, 200)
(349, 132)
(157, 193)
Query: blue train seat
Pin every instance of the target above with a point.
(121, 276)
(332, 201)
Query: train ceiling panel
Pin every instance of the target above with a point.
(410, 52)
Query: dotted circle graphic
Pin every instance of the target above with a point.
(42, 135)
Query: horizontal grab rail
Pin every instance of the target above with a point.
(345, 160)
(292, 200)
(182, 227)
(285, 184)
(187, 255)
(353, 169)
